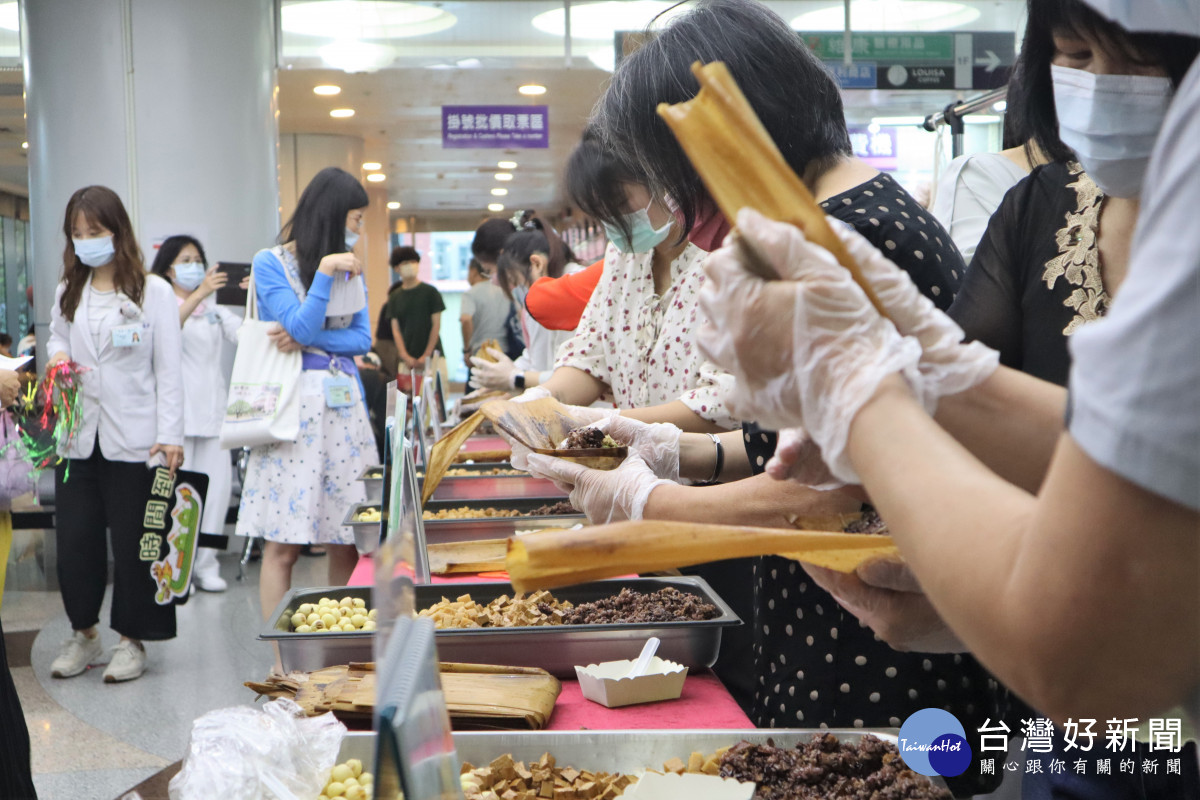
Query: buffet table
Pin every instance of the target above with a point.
(705, 703)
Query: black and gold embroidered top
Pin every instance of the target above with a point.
(1036, 275)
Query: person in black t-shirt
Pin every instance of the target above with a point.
(414, 312)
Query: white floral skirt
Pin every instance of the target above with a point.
(298, 493)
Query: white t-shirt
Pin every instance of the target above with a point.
(642, 345)
(969, 193)
(541, 342)
(100, 305)
(1135, 376)
(205, 387)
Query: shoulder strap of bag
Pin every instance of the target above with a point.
(251, 299)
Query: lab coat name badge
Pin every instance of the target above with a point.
(171, 528)
(128, 335)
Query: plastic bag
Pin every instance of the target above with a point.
(243, 753)
(17, 474)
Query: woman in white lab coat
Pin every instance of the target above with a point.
(122, 327)
(181, 262)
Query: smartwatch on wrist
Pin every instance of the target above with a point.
(519, 381)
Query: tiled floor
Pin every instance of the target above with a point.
(92, 740)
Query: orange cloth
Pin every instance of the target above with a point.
(558, 303)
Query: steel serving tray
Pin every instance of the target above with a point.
(366, 534)
(554, 648)
(628, 752)
(474, 528)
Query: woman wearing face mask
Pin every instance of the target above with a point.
(532, 253)
(633, 342)
(297, 493)
(1057, 249)
(181, 261)
(122, 326)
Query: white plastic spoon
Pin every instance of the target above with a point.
(643, 661)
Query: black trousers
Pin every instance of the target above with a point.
(16, 780)
(100, 494)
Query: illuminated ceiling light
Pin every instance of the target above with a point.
(342, 113)
(364, 19)
(599, 21)
(24, 145)
(327, 90)
(507, 165)
(393, 205)
(352, 55)
(493, 207)
(982, 119)
(371, 166)
(888, 15)
(377, 177)
(10, 17)
(1000, 106)
(604, 58)
(897, 121)
(499, 191)
(503, 176)
(532, 89)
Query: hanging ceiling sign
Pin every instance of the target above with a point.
(892, 60)
(502, 127)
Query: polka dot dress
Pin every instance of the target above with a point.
(816, 665)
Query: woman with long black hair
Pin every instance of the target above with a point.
(296, 493)
(122, 326)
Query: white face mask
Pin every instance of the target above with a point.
(1162, 16)
(1111, 122)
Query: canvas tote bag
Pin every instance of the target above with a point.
(263, 406)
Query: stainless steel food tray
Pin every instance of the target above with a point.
(477, 486)
(475, 528)
(555, 648)
(366, 534)
(629, 752)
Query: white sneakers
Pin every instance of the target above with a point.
(77, 653)
(80, 651)
(128, 662)
(206, 572)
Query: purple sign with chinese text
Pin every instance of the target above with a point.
(495, 126)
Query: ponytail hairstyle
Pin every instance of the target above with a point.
(318, 225)
(531, 236)
(101, 206)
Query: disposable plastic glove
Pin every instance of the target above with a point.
(948, 366)
(498, 374)
(657, 443)
(798, 458)
(886, 597)
(531, 394)
(604, 496)
(807, 351)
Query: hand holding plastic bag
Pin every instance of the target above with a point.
(886, 597)
(497, 374)
(807, 351)
(604, 496)
(243, 753)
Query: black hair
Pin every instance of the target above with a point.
(1174, 52)
(596, 181)
(403, 253)
(169, 250)
(5, 340)
(489, 239)
(474, 264)
(534, 237)
(318, 225)
(789, 88)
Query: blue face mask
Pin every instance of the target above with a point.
(189, 276)
(351, 239)
(95, 252)
(644, 237)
